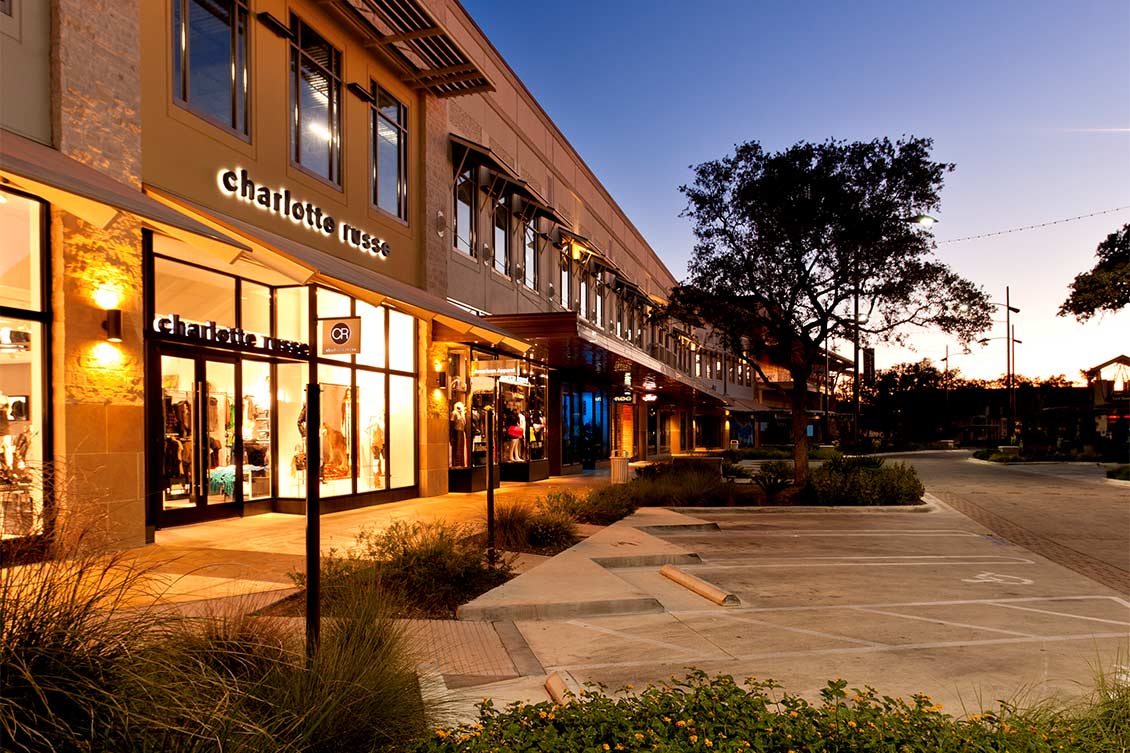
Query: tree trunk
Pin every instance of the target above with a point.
(798, 399)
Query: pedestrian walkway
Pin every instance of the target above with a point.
(256, 554)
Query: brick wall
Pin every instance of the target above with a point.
(98, 393)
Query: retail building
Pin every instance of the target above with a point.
(210, 204)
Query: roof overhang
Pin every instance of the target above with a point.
(95, 197)
(411, 38)
(305, 264)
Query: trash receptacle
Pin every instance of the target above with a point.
(733, 444)
(619, 468)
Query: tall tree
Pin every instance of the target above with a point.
(1106, 287)
(790, 244)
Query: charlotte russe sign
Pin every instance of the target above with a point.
(279, 201)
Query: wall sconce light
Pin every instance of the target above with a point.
(113, 325)
(441, 223)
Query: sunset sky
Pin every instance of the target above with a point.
(1030, 99)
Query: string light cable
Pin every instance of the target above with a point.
(1033, 227)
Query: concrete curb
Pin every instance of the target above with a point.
(558, 610)
(805, 509)
(699, 586)
(562, 687)
(648, 560)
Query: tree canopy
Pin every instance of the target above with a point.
(1106, 287)
(787, 242)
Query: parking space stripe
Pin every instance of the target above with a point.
(889, 648)
(1062, 614)
(805, 631)
(631, 637)
(936, 621)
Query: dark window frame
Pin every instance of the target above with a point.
(377, 115)
(239, 115)
(501, 262)
(470, 176)
(300, 31)
(530, 255)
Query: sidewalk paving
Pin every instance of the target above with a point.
(918, 599)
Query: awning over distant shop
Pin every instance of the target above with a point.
(95, 197)
(305, 264)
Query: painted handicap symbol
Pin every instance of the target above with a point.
(1015, 580)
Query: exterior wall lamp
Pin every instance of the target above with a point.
(113, 325)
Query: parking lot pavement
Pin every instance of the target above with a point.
(903, 602)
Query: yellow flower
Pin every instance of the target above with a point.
(694, 738)
(793, 714)
(680, 723)
(605, 746)
(853, 725)
(707, 743)
(638, 737)
(441, 733)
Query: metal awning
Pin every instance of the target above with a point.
(95, 197)
(411, 37)
(305, 264)
(467, 152)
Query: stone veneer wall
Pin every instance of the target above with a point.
(98, 387)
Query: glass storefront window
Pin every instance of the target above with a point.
(401, 341)
(195, 294)
(331, 304)
(291, 407)
(20, 270)
(402, 431)
(373, 431)
(292, 314)
(255, 308)
(24, 407)
(372, 335)
(256, 429)
(336, 430)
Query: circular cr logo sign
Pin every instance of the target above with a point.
(340, 333)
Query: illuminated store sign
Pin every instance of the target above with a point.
(341, 335)
(624, 397)
(226, 337)
(279, 201)
(650, 397)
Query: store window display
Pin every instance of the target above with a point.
(24, 401)
(235, 420)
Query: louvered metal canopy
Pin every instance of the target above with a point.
(413, 39)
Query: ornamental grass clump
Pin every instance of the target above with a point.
(524, 527)
(703, 713)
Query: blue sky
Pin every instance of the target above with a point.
(1030, 99)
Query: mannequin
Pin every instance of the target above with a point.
(5, 429)
(375, 431)
(458, 435)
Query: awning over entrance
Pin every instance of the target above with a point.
(305, 264)
(95, 197)
(563, 340)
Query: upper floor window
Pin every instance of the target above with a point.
(6, 7)
(315, 100)
(466, 207)
(583, 304)
(598, 303)
(530, 262)
(566, 286)
(390, 153)
(210, 60)
(502, 235)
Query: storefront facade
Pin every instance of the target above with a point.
(182, 250)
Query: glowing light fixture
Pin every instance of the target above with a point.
(924, 220)
(113, 325)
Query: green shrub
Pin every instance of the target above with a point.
(864, 481)
(774, 476)
(564, 502)
(512, 525)
(1122, 473)
(551, 531)
(605, 505)
(733, 470)
(718, 714)
(430, 568)
(524, 527)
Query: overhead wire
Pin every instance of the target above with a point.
(1032, 227)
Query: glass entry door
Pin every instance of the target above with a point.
(201, 410)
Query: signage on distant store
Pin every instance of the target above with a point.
(341, 335)
(624, 397)
(279, 201)
(210, 333)
(650, 397)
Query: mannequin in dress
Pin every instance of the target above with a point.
(458, 435)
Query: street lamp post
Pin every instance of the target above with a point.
(1009, 355)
